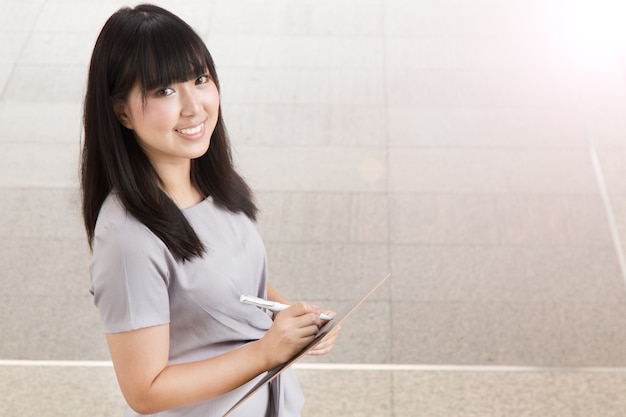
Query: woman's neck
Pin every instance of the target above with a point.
(185, 198)
(176, 183)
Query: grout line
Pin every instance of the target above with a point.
(603, 190)
(56, 363)
(376, 367)
(606, 200)
(455, 368)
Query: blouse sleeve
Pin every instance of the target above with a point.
(129, 276)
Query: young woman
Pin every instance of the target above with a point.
(170, 225)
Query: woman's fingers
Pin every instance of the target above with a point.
(327, 344)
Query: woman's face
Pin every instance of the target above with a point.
(173, 124)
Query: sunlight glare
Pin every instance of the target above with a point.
(598, 28)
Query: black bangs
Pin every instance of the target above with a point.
(170, 55)
(163, 50)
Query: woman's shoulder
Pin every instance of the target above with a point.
(116, 224)
(113, 215)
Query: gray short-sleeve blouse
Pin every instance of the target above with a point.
(136, 283)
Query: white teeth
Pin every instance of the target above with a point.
(191, 130)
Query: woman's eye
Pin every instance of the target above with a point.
(163, 92)
(203, 79)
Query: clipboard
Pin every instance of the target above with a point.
(275, 372)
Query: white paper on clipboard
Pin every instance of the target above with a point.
(275, 372)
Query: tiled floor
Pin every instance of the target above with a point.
(475, 149)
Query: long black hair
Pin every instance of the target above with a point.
(149, 47)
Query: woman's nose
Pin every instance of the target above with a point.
(190, 102)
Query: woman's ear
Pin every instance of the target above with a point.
(121, 112)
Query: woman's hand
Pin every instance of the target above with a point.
(326, 345)
(291, 331)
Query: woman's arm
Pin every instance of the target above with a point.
(274, 295)
(150, 385)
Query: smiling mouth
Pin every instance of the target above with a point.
(191, 130)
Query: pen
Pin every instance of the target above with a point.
(271, 305)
